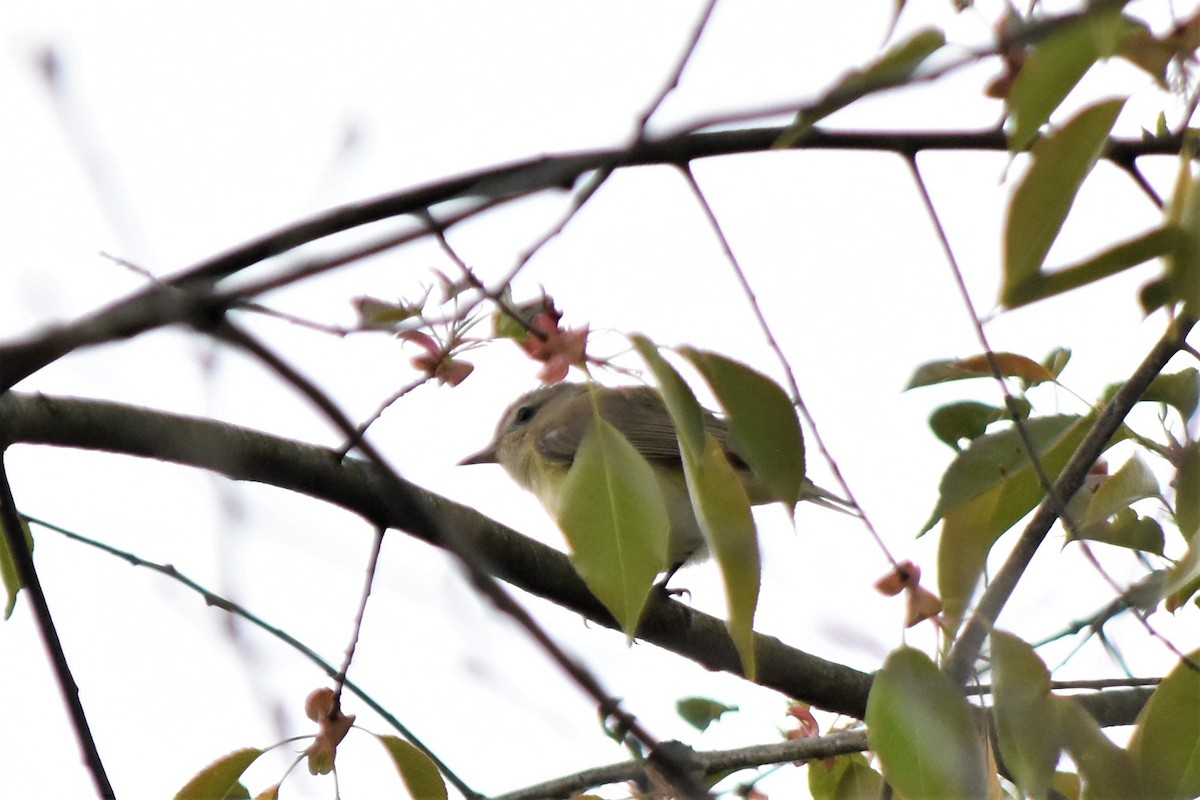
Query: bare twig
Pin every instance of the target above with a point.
(793, 387)
(14, 539)
(215, 600)
(368, 582)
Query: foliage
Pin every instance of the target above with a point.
(1020, 463)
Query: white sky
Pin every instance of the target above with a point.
(182, 130)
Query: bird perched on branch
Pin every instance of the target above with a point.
(539, 434)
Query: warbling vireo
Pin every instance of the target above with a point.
(540, 432)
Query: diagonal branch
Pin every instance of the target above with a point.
(353, 484)
(967, 646)
(13, 537)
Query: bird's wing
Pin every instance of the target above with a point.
(640, 414)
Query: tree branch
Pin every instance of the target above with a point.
(243, 454)
(247, 455)
(967, 646)
(166, 302)
(12, 535)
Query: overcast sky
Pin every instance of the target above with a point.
(172, 132)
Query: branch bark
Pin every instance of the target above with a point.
(247, 455)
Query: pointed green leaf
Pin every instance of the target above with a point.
(221, 778)
(962, 553)
(1166, 741)
(1056, 361)
(1040, 203)
(1021, 688)
(417, 770)
(1187, 491)
(894, 68)
(1183, 578)
(8, 570)
(985, 491)
(1108, 771)
(1000, 460)
(1180, 390)
(1127, 529)
(921, 727)
(848, 777)
(614, 518)
(700, 712)
(382, 315)
(723, 511)
(967, 419)
(1056, 65)
(685, 410)
(1117, 258)
(719, 500)
(763, 428)
(1132, 482)
(1182, 280)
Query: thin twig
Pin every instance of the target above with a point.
(399, 495)
(715, 762)
(793, 387)
(215, 600)
(18, 549)
(372, 564)
(676, 74)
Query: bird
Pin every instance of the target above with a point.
(539, 433)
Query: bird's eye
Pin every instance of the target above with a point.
(524, 414)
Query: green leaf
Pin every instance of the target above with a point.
(999, 460)
(966, 419)
(8, 569)
(1044, 197)
(685, 410)
(1187, 491)
(220, 779)
(380, 314)
(1132, 482)
(1056, 361)
(1108, 771)
(1150, 245)
(1021, 688)
(894, 68)
(1127, 529)
(700, 712)
(1180, 390)
(417, 770)
(986, 490)
(723, 511)
(1182, 279)
(849, 777)
(1011, 365)
(1056, 65)
(921, 727)
(1166, 741)
(719, 500)
(614, 518)
(1183, 578)
(763, 428)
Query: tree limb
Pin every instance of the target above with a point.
(243, 454)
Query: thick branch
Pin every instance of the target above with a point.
(165, 303)
(242, 454)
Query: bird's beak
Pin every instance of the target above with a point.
(485, 456)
